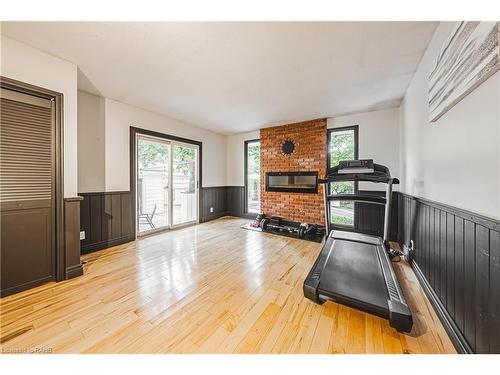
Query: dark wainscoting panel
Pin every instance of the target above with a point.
(225, 200)
(456, 256)
(369, 218)
(214, 197)
(106, 218)
(235, 200)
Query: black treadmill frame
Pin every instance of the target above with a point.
(398, 312)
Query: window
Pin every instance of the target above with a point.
(342, 145)
(252, 176)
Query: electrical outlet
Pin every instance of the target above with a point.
(407, 250)
(82, 235)
(211, 209)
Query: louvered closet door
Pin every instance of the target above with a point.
(26, 191)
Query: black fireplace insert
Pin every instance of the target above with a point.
(292, 182)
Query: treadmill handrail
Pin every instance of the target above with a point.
(380, 174)
(368, 177)
(363, 198)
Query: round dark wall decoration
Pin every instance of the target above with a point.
(287, 147)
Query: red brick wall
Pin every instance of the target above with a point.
(310, 155)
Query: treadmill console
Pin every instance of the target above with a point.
(356, 166)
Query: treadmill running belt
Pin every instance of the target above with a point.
(342, 277)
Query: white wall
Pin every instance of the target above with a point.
(91, 160)
(378, 138)
(118, 119)
(235, 159)
(29, 65)
(455, 160)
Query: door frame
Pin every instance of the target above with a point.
(134, 131)
(58, 174)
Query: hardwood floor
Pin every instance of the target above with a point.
(210, 288)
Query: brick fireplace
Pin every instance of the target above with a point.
(309, 138)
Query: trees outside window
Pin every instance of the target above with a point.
(342, 145)
(154, 153)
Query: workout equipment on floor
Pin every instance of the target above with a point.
(278, 225)
(355, 269)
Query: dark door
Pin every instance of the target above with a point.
(27, 191)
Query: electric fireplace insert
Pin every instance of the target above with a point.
(292, 182)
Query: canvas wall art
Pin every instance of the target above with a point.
(468, 58)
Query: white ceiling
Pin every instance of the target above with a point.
(235, 77)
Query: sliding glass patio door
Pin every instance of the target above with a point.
(166, 184)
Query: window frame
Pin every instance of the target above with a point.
(245, 171)
(330, 133)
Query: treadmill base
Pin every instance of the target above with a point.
(355, 270)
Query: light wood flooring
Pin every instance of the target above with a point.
(210, 288)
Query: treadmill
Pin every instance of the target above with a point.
(355, 269)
